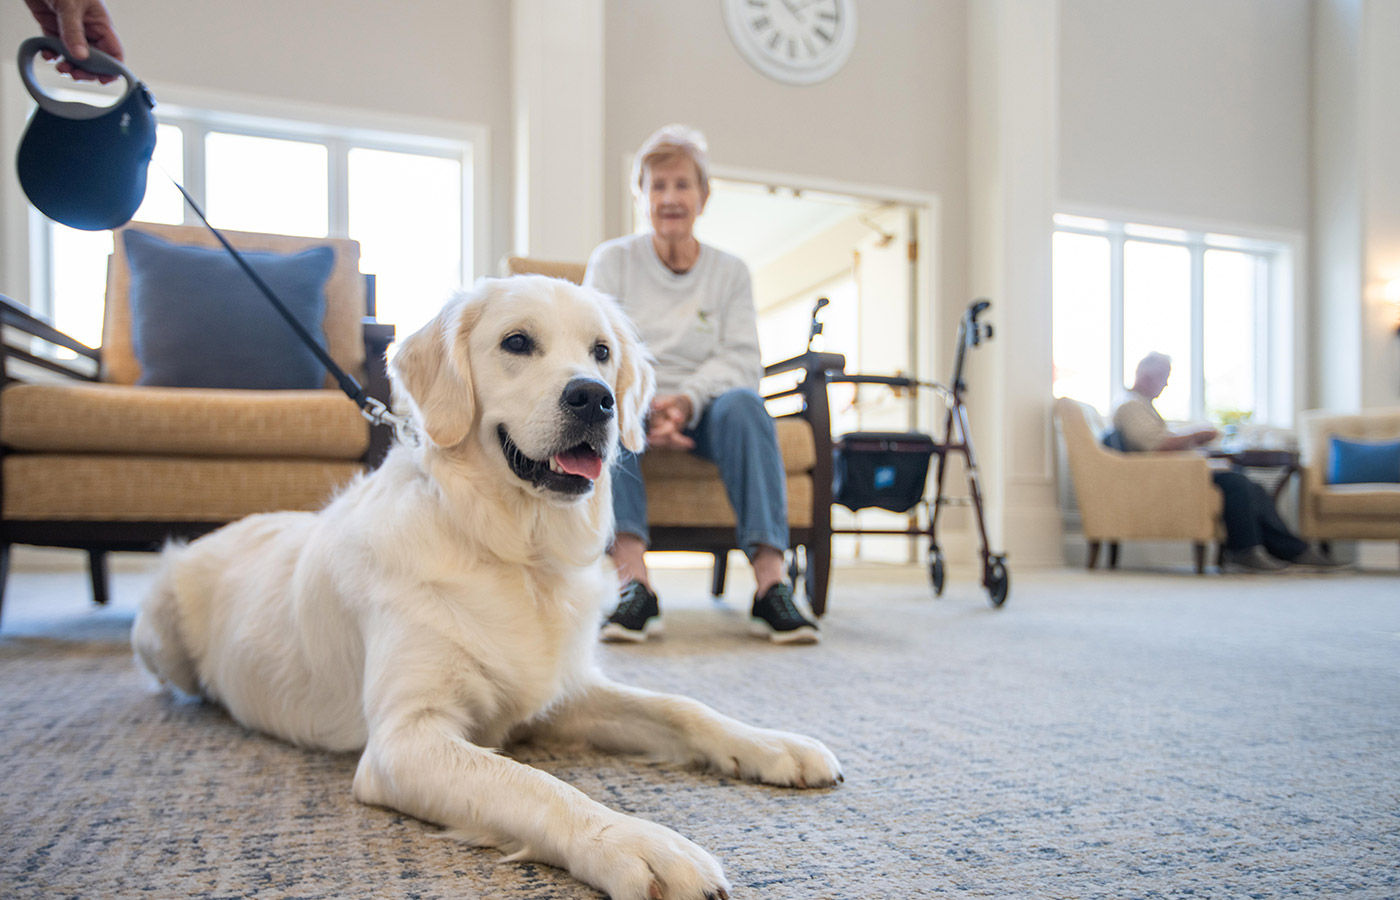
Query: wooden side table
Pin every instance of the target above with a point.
(1284, 462)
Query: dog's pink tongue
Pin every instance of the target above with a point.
(589, 465)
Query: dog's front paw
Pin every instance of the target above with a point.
(784, 759)
(633, 859)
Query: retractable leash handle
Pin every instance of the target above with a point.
(80, 164)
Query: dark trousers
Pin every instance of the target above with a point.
(1252, 519)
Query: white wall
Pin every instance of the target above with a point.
(1193, 108)
(894, 116)
(441, 59)
(1380, 118)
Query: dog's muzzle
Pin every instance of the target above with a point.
(590, 407)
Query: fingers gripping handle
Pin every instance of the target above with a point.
(98, 63)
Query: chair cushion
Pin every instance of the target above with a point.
(197, 320)
(698, 504)
(110, 418)
(49, 487)
(1359, 500)
(1363, 462)
(345, 295)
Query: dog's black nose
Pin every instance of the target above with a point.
(589, 399)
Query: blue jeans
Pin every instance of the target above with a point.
(736, 433)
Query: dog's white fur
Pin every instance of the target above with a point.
(442, 606)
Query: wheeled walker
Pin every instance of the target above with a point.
(890, 469)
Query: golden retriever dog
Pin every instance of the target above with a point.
(450, 601)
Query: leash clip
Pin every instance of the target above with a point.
(379, 414)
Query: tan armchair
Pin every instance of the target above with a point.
(1329, 512)
(686, 501)
(1137, 496)
(89, 460)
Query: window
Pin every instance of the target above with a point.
(406, 198)
(1122, 290)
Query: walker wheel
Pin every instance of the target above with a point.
(936, 571)
(998, 582)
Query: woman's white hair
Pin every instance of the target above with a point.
(666, 143)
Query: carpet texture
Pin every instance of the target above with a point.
(1103, 736)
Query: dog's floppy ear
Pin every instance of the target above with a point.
(636, 381)
(433, 369)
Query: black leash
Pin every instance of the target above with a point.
(371, 408)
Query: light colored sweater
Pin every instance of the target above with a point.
(1139, 424)
(701, 326)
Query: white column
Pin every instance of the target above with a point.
(1013, 50)
(557, 63)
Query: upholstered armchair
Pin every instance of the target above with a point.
(1328, 512)
(92, 459)
(686, 502)
(1137, 496)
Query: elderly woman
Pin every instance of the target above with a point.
(694, 308)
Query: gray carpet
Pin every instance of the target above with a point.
(1104, 736)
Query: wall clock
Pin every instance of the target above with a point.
(793, 41)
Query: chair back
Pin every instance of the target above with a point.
(345, 295)
(524, 265)
(1319, 426)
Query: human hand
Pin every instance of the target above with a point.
(78, 24)
(669, 415)
(1205, 435)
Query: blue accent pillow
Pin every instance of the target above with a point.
(197, 319)
(1363, 462)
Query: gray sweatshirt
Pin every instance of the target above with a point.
(701, 326)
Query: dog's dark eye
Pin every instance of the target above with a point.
(601, 352)
(517, 343)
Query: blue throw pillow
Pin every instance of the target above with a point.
(1364, 462)
(197, 319)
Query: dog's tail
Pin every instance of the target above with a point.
(155, 636)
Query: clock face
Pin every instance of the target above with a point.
(793, 41)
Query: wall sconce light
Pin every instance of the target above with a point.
(1392, 296)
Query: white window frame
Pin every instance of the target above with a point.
(1279, 369)
(199, 112)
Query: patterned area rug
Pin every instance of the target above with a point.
(1103, 736)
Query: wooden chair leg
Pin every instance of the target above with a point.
(1113, 554)
(1093, 555)
(721, 569)
(818, 575)
(97, 566)
(1198, 550)
(1220, 557)
(4, 572)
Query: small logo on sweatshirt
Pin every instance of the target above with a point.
(705, 325)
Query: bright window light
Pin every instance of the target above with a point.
(1230, 292)
(1081, 318)
(266, 184)
(1157, 316)
(406, 212)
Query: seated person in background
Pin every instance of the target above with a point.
(694, 309)
(1257, 540)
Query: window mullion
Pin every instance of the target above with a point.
(1116, 380)
(338, 187)
(1198, 328)
(194, 135)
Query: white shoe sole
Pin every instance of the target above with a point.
(803, 635)
(613, 633)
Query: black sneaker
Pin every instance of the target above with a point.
(777, 617)
(637, 617)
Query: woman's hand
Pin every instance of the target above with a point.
(77, 23)
(669, 415)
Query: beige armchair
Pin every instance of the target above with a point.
(92, 461)
(1137, 496)
(1329, 512)
(686, 502)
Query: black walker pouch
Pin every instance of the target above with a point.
(885, 469)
